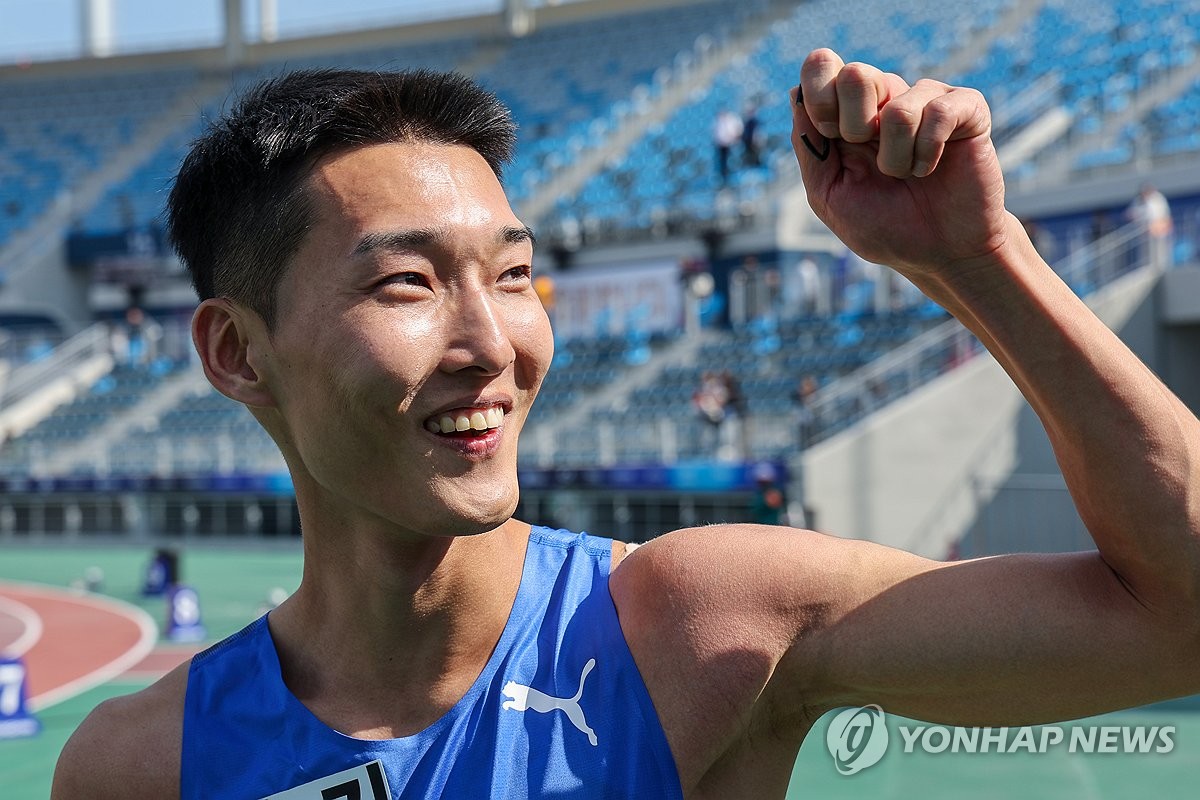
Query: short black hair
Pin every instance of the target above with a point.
(238, 210)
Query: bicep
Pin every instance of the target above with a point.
(1017, 639)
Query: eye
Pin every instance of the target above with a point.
(519, 274)
(405, 279)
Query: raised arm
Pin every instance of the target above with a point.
(911, 180)
(1129, 449)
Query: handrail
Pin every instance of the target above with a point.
(84, 345)
(950, 344)
(839, 404)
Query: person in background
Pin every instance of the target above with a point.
(802, 399)
(769, 506)
(1151, 210)
(711, 401)
(727, 131)
(751, 136)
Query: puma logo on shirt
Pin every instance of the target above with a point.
(526, 698)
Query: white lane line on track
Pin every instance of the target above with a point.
(148, 635)
(29, 620)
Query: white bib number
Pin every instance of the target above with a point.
(366, 782)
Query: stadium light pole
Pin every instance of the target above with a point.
(235, 41)
(96, 27)
(518, 18)
(268, 20)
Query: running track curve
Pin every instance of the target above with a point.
(70, 641)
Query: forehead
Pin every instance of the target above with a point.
(406, 185)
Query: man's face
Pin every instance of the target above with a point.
(407, 315)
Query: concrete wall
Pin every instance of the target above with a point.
(1179, 362)
(917, 474)
(1179, 295)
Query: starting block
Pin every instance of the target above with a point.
(16, 721)
(161, 572)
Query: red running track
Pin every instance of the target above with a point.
(72, 641)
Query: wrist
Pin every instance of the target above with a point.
(963, 283)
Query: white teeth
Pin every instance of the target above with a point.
(492, 417)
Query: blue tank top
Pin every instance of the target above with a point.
(559, 710)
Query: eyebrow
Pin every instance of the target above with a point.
(420, 238)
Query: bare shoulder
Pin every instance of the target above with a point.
(701, 570)
(708, 614)
(128, 746)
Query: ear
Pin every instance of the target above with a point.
(228, 339)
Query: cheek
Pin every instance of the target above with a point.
(351, 378)
(391, 354)
(534, 343)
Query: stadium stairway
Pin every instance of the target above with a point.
(1120, 129)
(968, 52)
(689, 75)
(32, 391)
(1111, 61)
(90, 455)
(957, 61)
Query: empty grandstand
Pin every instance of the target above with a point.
(663, 271)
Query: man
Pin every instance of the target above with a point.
(1152, 212)
(437, 647)
(727, 130)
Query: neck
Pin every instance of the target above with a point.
(376, 603)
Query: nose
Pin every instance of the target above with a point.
(479, 337)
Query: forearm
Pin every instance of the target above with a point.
(1128, 448)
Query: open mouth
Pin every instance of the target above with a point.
(466, 423)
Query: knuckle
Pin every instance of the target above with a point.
(938, 113)
(899, 115)
(926, 84)
(974, 95)
(855, 76)
(981, 112)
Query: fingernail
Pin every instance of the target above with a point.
(921, 169)
(828, 130)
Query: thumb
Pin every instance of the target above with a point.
(816, 154)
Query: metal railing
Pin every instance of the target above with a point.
(81, 347)
(196, 517)
(145, 516)
(666, 438)
(934, 353)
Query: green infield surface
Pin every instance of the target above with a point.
(235, 584)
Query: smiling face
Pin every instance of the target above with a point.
(407, 315)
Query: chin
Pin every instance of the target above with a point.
(472, 513)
